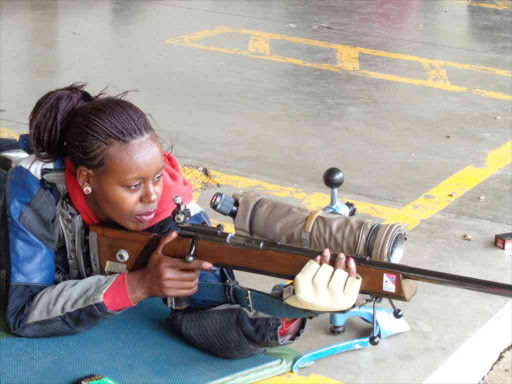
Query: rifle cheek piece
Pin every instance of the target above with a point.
(264, 218)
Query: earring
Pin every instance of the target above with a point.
(87, 190)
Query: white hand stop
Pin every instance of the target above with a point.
(323, 288)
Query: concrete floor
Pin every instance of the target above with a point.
(422, 111)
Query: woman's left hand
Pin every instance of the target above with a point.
(341, 262)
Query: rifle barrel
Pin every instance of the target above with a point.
(441, 278)
(425, 275)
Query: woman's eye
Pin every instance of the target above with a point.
(134, 186)
(158, 178)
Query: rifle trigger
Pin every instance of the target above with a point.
(190, 257)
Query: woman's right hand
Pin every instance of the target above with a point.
(165, 276)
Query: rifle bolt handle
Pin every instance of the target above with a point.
(189, 258)
(122, 256)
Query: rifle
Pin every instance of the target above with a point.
(118, 251)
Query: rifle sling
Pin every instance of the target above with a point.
(232, 293)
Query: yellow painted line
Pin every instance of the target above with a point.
(199, 178)
(310, 201)
(441, 196)
(259, 47)
(498, 4)
(427, 205)
(244, 183)
(8, 133)
(293, 378)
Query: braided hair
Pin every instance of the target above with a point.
(70, 122)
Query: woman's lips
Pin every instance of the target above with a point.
(146, 217)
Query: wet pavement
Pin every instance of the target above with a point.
(412, 99)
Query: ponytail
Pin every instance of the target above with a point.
(48, 120)
(70, 122)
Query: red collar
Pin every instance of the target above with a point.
(174, 184)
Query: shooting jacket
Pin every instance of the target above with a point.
(47, 287)
(50, 291)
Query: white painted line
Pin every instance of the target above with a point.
(473, 359)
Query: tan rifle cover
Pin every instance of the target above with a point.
(272, 220)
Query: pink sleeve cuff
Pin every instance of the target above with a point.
(116, 297)
(289, 328)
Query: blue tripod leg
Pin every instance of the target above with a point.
(384, 325)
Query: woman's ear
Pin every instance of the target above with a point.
(85, 177)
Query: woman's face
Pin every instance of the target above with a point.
(129, 186)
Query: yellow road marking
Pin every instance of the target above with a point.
(311, 201)
(199, 178)
(259, 45)
(297, 379)
(8, 133)
(456, 185)
(498, 4)
(347, 60)
(436, 73)
(427, 205)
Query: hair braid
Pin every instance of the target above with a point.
(69, 121)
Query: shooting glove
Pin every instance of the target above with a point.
(322, 288)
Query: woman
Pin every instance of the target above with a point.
(98, 160)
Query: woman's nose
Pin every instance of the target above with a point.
(150, 194)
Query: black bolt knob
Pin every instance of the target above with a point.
(333, 178)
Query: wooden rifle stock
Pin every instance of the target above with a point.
(243, 253)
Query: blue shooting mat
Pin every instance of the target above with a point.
(135, 347)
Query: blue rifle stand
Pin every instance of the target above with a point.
(385, 324)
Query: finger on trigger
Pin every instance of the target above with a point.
(352, 271)
(340, 262)
(326, 256)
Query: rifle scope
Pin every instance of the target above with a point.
(224, 204)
